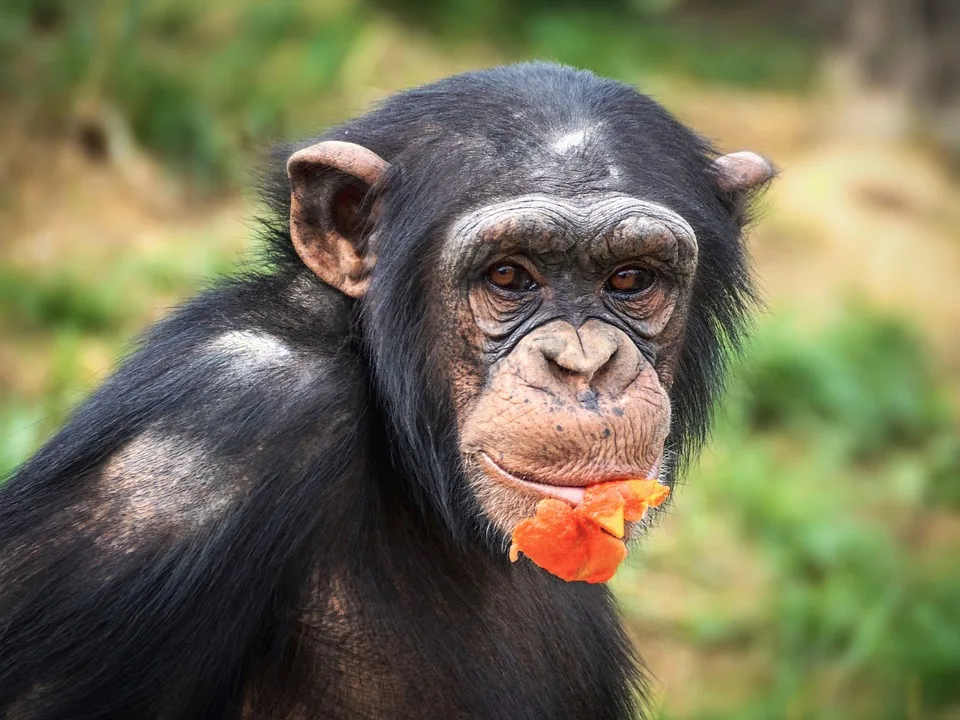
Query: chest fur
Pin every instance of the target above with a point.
(514, 645)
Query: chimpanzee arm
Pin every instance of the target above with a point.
(154, 550)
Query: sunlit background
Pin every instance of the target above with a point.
(810, 567)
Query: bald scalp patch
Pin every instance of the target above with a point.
(603, 227)
(570, 141)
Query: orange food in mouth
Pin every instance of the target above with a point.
(582, 542)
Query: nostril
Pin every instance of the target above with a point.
(610, 361)
(606, 367)
(569, 366)
(562, 373)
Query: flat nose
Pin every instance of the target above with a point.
(596, 355)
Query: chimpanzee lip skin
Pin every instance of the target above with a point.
(572, 494)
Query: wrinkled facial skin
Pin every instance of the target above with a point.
(565, 383)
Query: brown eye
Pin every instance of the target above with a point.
(630, 280)
(511, 277)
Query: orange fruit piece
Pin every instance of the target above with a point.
(571, 542)
(638, 495)
(566, 544)
(604, 504)
(604, 554)
(652, 492)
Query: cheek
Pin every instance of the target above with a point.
(458, 351)
(670, 342)
(502, 507)
(494, 315)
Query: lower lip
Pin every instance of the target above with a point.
(570, 494)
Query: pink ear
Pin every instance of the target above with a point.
(741, 171)
(350, 158)
(328, 183)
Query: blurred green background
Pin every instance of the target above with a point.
(810, 567)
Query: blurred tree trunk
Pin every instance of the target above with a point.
(941, 88)
(907, 51)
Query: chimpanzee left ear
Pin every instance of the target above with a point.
(329, 183)
(742, 171)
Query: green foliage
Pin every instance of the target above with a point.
(204, 111)
(848, 602)
(867, 375)
(827, 459)
(626, 38)
(25, 423)
(169, 117)
(59, 302)
(643, 45)
(22, 429)
(112, 301)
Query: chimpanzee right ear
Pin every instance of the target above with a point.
(742, 172)
(329, 182)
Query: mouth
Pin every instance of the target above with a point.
(568, 493)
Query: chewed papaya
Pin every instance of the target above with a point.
(605, 505)
(638, 496)
(651, 489)
(581, 543)
(567, 544)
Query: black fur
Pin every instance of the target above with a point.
(349, 576)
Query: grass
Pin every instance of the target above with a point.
(200, 112)
(856, 600)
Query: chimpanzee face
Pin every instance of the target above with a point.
(573, 307)
(561, 316)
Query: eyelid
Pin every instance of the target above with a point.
(652, 272)
(647, 264)
(520, 261)
(664, 270)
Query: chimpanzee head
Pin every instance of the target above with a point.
(547, 266)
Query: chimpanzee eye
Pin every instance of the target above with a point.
(511, 277)
(630, 280)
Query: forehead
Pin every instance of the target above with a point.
(612, 223)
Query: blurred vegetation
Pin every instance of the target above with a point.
(810, 570)
(829, 456)
(277, 64)
(636, 36)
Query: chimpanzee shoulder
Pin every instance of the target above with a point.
(211, 450)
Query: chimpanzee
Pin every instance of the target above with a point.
(294, 499)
